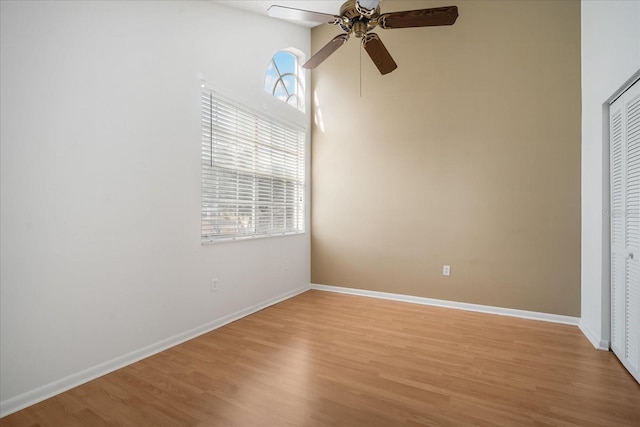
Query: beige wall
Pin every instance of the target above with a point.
(467, 155)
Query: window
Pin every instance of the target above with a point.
(284, 79)
(253, 170)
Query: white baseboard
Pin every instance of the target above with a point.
(32, 397)
(533, 315)
(598, 343)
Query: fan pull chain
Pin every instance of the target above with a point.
(361, 47)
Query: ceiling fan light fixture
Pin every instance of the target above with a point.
(366, 7)
(360, 28)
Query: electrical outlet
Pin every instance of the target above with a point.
(214, 285)
(446, 270)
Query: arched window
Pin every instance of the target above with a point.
(285, 79)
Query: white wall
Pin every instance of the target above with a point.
(101, 261)
(610, 56)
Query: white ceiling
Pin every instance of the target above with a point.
(260, 6)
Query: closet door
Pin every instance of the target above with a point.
(625, 229)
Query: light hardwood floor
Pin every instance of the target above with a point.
(326, 359)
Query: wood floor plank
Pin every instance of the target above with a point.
(325, 359)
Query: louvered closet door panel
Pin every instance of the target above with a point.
(632, 226)
(618, 244)
(624, 122)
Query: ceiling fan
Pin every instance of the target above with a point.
(360, 17)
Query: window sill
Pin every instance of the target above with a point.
(245, 238)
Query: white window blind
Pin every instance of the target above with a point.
(625, 228)
(253, 170)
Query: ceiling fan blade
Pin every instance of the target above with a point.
(326, 51)
(419, 18)
(378, 53)
(291, 13)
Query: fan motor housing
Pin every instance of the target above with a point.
(355, 21)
